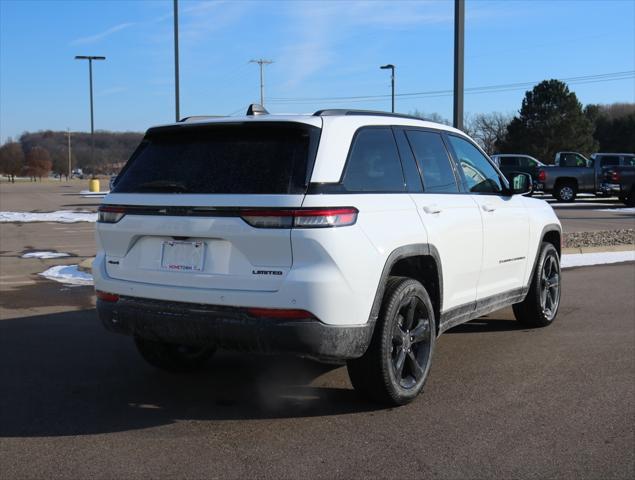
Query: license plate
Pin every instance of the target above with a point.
(183, 256)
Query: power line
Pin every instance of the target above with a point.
(597, 78)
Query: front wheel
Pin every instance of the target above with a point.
(395, 367)
(172, 357)
(541, 304)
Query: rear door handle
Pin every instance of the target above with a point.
(488, 207)
(432, 208)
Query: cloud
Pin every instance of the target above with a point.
(100, 36)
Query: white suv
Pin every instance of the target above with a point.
(341, 236)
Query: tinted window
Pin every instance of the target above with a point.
(629, 161)
(373, 164)
(609, 160)
(410, 169)
(433, 162)
(479, 173)
(508, 162)
(260, 159)
(572, 160)
(526, 162)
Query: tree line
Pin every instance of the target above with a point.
(550, 119)
(37, 154)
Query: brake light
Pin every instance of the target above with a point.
(107, 297)
(615, 176)
(301, 218)
(542, 176)
(282, 313)
(110, 214)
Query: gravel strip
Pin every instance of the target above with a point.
(605, 238)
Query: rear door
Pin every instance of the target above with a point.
(505, 221)
(197, 204)
(450, 217)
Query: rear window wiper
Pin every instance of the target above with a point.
(163, 186)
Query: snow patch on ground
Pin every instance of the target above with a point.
(617, 210)
(597, 258)
(45, 255)
(68, 275)
(61, 216)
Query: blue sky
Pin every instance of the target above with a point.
(322, 50)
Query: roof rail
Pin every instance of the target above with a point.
(194, 118)
(256, 109)
(344, 112)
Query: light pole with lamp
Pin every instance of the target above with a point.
(392, 81)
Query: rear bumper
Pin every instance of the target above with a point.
(232, 328)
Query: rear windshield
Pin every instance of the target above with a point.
(271, 158)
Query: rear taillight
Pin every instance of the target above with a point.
(280, 313)
(107, 297)
(301, 218)
(110, 214)
(542, 176)
(615, 176)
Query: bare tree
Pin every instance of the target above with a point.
(488, 129)
(38, 163)
(11, 160)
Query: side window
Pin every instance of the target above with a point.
(609, 161)
(373, 164)
(480, 175)
(509, 162)
(433, 161)
(629, 161)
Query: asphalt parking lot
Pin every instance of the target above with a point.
(501, 401)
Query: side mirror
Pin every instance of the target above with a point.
(520, 183)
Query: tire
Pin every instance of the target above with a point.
(541, 304)
(172, 357)
(565, 192)
(395, 367)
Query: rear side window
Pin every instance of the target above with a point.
(609, 161)
(224, 159)
(508, 162)
(373, 164)
(433, 160)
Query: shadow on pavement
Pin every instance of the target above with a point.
(487, 324)
(62, 374)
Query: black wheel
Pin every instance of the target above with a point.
(171, 357)
(395, 367)
(540, 307)
(565, 192)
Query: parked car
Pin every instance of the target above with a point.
(340, 236)
(573, 173)
(513, 162)
(620, 180)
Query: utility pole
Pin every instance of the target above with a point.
(392, 82)
(90, 59)
(459, 37)
(68, 134)
(261, 62)
(177, 113)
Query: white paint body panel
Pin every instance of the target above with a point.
(332, 272)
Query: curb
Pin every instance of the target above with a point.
(612, 248)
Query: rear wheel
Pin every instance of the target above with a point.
(541, 304)
(565, 192)
(395, 367)
(172, 357)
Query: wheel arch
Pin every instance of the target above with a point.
(418, 261)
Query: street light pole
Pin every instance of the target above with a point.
(261, 62)
(68, 133)
(177, 107)
(392, 82)
(459, 37)
(90, 59)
